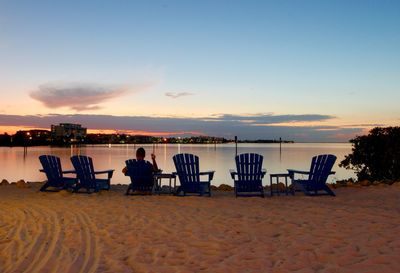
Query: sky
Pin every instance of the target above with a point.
(301, 70)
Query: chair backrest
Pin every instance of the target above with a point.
(83, 166)
(52, 166)
(187, 168)
(140, 171)
(321, 166)
(249, 167)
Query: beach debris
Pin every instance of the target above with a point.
(225, 187)
(4, 182)
(280, 187)
(365, 182)
(22, 184)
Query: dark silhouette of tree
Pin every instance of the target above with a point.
(375, 156)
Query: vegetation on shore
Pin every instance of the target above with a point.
(24, 138)
(376, 156)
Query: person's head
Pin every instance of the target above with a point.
(140, 153)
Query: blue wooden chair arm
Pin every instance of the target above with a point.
(264, 171)
(292, 172)
(209, 173)
(234, 173)
(109, 172)
(69, 171)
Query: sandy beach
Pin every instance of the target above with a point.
(357, 231)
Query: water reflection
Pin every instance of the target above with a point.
(18, 163)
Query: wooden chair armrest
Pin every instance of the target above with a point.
(264, 171)
(233, 173)
(209, 173)
(109, 172)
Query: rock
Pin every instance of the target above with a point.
(331, 186)
(225, 187)
(342, 183)
(4, 182)
(387, 182)
(397, 184)
(365, 183)
(278, 187)
(281, 187)
(349, 183)
(376, 182)
(214, 188)
(22, 184)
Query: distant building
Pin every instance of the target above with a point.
(68, 132)
(39, 134)
(30, 137)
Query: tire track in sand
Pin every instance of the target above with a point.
(44, 244)
(89, 251)
(16, 248)
(37, 240)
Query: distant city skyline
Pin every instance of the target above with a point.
(301, 70)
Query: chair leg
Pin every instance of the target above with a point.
(44, 187)
(329, 191)
(127, 191)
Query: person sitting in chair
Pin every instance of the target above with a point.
(140, 155)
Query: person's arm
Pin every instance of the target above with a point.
(124, 170)
(153, 158)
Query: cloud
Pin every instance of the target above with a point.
(223, 126)
(175, 95)
(266, 119)
(76, 96)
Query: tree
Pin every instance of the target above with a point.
(375, 156)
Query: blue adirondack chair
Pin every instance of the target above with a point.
(188, 171)
(248, 175)
(87, 175)
(141, 174)
(321, 168)
(55, 175)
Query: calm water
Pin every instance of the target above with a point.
(18, 165)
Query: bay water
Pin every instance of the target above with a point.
(18, 163)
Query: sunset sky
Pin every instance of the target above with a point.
(300, 70)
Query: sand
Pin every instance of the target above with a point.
(357, 232)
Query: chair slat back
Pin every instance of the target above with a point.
(321, 166)
(84, 168)
(249, 167)
(187, 168)
(140, 172)
(52, 167)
